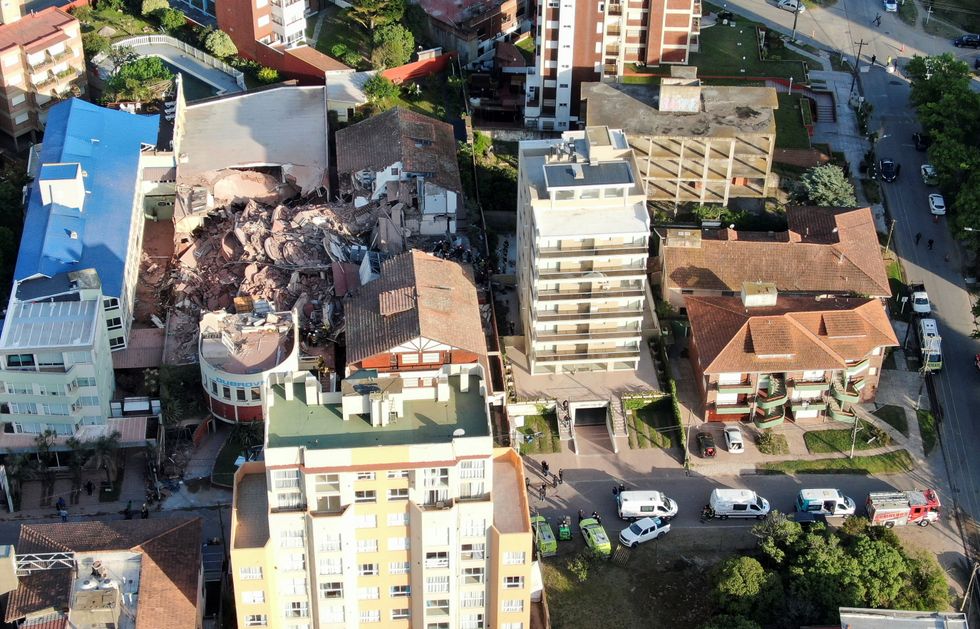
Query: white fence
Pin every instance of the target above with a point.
(148, 40)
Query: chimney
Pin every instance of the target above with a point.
(758, 294)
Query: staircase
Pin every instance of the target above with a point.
(617, 419)
(564, 420)
(826, 106)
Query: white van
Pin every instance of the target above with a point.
(641, 504)
(828, 502)
(738, 503)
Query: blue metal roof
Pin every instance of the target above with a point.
(107, 144)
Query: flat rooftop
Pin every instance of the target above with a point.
(251, 512)
(246, 343)
(509, 516)
(554, 222)
(725, 111)
(294, 423)
(37, 325)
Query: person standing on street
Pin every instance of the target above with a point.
(63, 514)
(929, 244)
(561, 476)
(874, 58)
(144, 512)
(544, 468)
(918, 237)
(89, 488)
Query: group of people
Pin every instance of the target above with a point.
(556, 479)
(128, 512)
(594, 516)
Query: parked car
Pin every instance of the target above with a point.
(888, 170)
(794, 6)
(733, 439)
(595, 536)
(634, 505)
(706, 445)
(967, 41)
(921, 140)
(643, 530)
(737, 503)
(920, 300)
(827, 502)
(929, 175)
(891, 6)
(937, 205)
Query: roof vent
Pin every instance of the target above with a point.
(758, 294)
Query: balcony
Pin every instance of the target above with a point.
(594, 294)
(555, 274)
(807, 405)
(559, 337)
(840, 414)
(696, 10)
(609, 68)
(615, 9)
(744, 386)
(769, 418)
(846, 392)
(774, 395)
(858, 367)
(730, 409)
(611, 250)
(605, 355)
(613, 52)
(585, 316)
(439, 505)
(329, 512)
(811, 385)
(613, 31)
(48, 79)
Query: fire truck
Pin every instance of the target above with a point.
(890, 508)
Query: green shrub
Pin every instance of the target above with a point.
(267, 75)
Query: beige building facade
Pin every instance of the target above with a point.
(582, 252)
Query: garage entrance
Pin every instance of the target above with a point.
(592, 431)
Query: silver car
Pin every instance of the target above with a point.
(733, 439)
(643, 531)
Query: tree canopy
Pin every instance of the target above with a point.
(219, 44)
(826, 186)
(141, 79)
(380, 90)
(374, 13)
(393, 46)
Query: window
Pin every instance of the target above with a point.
(366, 522)
(437, 606)
(292, 539)
(289, 500)
(226, 393)
(512, 625)
(21, 119)
(514, 605)
(17, 100)
(437, 477)
(86, 400)
(253, 573)
(256, 394)
(329, 542)
(400, 614)
(368, 594)
(400, 590)
(398, 543)
(397, 474)
(472, 621)
(285, 479)
(296, 609)
(365, 476)
(253, 596)
(473, 551)
(293, 561)
(368, 569)
(330, 565)
(370, 615)
(367, 545)
(240, 395)
(474, 528)
(20, 360)
(398, 567)
(255, 620)
(437, 584)
(85, 382)
(398, 494)
(472, 469)
(473, 575)
(513, 559)
(437, 625)
(431, 357)
(332, 589)
(110, 303)
(114, 323)
(262, 21)
(472, 599)
(409, 359)
(293, 587)
(513, 583)
(327, 487)
(437, 560)
(365, 496)
(397, 519)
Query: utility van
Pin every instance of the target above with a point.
(642, 504)
(828, 502)
(737, 503)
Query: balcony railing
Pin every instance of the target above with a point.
(554, 274)
(594, 294)
(579, 316)
(731, 409)
(774, 395)
(858, 367)
(810, 385)
(745, 386)
(439, 505)
(769, 418)
(558, 337)
(606, 355)
(697, 8)
(611, 250)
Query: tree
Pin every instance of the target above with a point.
(826, 575)
(744, 588)
(393, 46)
(119, 56)
(882, 569)
(171, 20)
(111, 5)
(94, 44)
(267, 75)
(953, 115)
(150, 7)
(20, 468)
(777, 534)
(482, 143)
(925, 584)
(380, 90)
(219, 44)
(934, 76)
(826, 186)
(374, 13)
(104, 450)
(967, 204)
(346, 54)
(730, 622)
(139, 80)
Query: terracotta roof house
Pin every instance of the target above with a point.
(773, 357)
(126, 573)
(421, 315)
(824, 251)
(398, 144)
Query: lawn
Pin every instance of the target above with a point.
(548, 441)
(962, 12)
(908, 12)
(526, 46)
(652, 424)
(839, 440)
(437, 96)
(772, 443)
(888, 463)
(928, 430)
(941, 29)
(790, 130)
(723, 49)
(339, 29)
(894, 416)
(123, 23)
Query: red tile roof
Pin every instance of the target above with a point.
(833, 250)
(170, 564)
(317, 59)
(34, 27)
(798, 333)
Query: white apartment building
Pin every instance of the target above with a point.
(582, 252)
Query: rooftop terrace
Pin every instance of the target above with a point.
(294, 423)
(251, 510)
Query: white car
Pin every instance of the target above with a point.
(733, 439)
(643, 531)
(891, 6)
(937, 205)
(929, 175)
(920, 303)
(791, 5)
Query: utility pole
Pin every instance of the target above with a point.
(857, 420)
(796, 16)
(891, 230)
(928, 13)
(857, 62)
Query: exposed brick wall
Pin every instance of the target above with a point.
(418, 69)
(803, 158)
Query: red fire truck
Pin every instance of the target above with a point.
(890, 508)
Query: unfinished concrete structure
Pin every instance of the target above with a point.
(693, 142)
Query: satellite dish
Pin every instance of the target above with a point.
(459, 432)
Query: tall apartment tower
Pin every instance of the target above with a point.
(590, 40)
(582, 252)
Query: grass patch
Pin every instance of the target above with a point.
(938, 28)
(338, 28)
(889, 463)
(963, 12)
(652, 424)
(894, 416)
(790, 130)
(526, 46)
(839, 64)
(871, 189)
(839, 440)
(123, 23)
(548, 441)
(640, 80)
(908, 12)
(722, 49)
(928, 430)
(772, 443)
(436, 97)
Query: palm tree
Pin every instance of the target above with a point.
(104, 453)
(20, 468)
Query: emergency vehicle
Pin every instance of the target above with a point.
(891, 508)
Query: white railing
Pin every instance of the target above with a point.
(149, 40)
